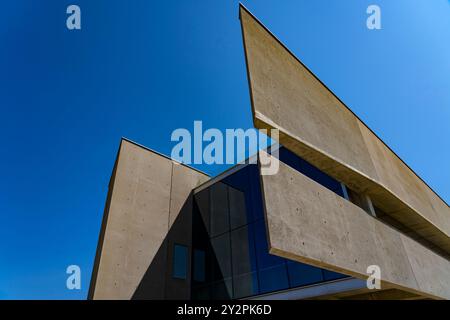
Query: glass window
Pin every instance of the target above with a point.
(221, 257)
(201, 292)
(231, 259)
(180, 256)
(239, 182)
(330, 275)
(264, 259)
(220, 220)
(222, 290)
(302, 274)
(273, 279)
(202, 207)
(245, 285)
(290, 159)
(243, 251)
(238, 212)
(299, 164)
(255, 192)
(199, 265)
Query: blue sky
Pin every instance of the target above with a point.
(142, 68)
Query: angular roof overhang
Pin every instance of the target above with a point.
(319, 127)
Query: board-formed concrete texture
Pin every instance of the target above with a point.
(308, 223)
(318, 127)
(146, 193)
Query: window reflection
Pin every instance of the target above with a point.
(231, 257)
(219, 211)
(265, 260)
(243, 250)
(221, 254)
(245, 285)
(302, 274)
(180, 255)
(273, 278)
(292, 160)
(199, 265)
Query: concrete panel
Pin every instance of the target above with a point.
(147, 189)
(317, 126)
(431, 273)
(184, 179)
(311, 224)
(283, 93)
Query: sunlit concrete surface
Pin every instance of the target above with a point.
(311, 224)
(317, 126)
(146, 193)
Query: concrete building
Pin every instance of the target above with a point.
(341, 202)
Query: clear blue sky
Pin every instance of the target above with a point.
(142, 68)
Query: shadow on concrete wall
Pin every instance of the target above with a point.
(188, 229)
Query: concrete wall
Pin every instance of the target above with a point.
(147, 192)
(317, 126)
(311, 224)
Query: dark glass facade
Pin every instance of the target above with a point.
(230, 258)
(180, 256)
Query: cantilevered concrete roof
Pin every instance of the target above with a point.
(316, 125)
